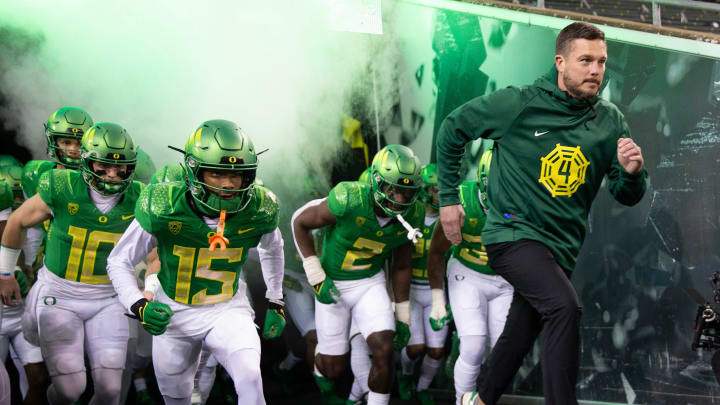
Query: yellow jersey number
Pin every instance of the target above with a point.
(78, 248)
(202, 269)
(366, 249)
(475, 256)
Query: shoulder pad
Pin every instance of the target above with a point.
(266, 204)
(157, 200)
(346, 196)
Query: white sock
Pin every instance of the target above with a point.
(140, 384)
(375, 398)
(465, 377)
(429, 368)
(408, 364)
(356, 391)
(289, 361)
(360, 363)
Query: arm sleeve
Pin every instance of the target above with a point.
(132, 248)
(483, 117)
(627, 189)
(33, 241)
(272, 262)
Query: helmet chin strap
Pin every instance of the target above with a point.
(413, 233)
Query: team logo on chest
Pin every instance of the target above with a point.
(175, 227)
(359, 221)
(73, 208)
(563, 170)
(473, 222)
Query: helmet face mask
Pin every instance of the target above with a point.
(215, 148)
(12, 175)
(66, 123)
(483, 173)
(108, 148)
(395, 179)
(429, 192)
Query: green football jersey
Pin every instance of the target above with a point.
(190, 273)
(167, 173)
(420, 256)
(357, 246)
(6, 196)
(81, 237)
(471, 251)
(31, 175)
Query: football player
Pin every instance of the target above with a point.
(423, 339)
(72, 310)
(203, 229)
(479, 298)
(366, 225)
(64, 130)
(26, 356)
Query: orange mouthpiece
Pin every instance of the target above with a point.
(218, 239)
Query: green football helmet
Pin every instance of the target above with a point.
(145, 167)
(395, 170)
(430, 181)
(483, 173)
(220, 145)
(109, 144)
(7, 160)
(168, 173)
(12, 175)
(67, 122)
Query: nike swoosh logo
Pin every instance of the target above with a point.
(242, 231)
(401, 232)
(540, 133)
(126, 217)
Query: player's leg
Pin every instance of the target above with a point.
(359, 363)
(4, 386)
(410, 354)
(175, 359)
(238, 352)
(31, 368)
(106, 336)
(469, 306)
(300, 304)
(376, 320)
(205, 376)
(434, 352)
(498, 309)
(61, 335)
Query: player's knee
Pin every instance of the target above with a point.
(111, 358)
(472, 348)
(435, 353)
(66, 363)
(245, 370)
(382, 351)
(69, 387)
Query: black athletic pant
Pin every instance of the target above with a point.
(544, 300)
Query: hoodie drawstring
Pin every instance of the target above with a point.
(595, 114)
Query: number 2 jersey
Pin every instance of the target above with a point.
(81, 237)
(357, 246)
(190, 272)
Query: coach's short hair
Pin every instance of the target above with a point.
(576, 30)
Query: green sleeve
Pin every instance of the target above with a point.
(46, 190)
(142, 209)
(6, 196)
(628, 189)
(482, 117)
(338, 199)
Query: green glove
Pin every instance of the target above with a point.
(274, 320)
(22, 281)
(326, 292)
(402, 335)
(437, 324)
(154, 316)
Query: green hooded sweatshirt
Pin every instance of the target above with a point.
(550, 156)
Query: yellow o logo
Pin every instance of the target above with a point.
(116, 156)
(233, 159)
(75, 130)
(102, 219)
(210, 234)
(406, 181)
(379, 233)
